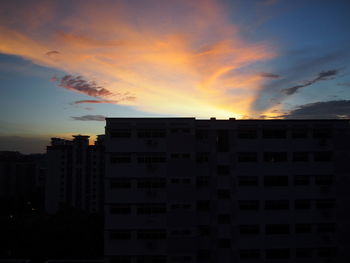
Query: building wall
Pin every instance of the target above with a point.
(186, 190)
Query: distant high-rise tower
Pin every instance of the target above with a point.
(75, 174)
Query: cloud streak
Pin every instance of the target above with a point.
(325, 75)
(269, 75)
(89, 118)
(93, 101)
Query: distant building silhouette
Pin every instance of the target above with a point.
(75, 174)
(22, 179)
(187, 190)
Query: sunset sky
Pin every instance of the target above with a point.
(65, 65)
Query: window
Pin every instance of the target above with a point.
(151, 133)
(249, 229)
(223, 170)
(327, 252)
(276, 204)
(203, 205)
(249, 253)
(152, 158)
(120, 209)
(325, 203)
(301, 180)
(224, 194)
(275, 180)
(302, 204)
(202, 134)
(275, 157)
(303, 252)
(249, 205)
(274, 133)
(277, 229)
(277, 253)
(203, 254)
(202, 157)
(223, 141)
(202, 181)
(121, 259)
(247, 133)
(247, 157)
(204, 230)
(303, 228)
(151, 259)
(300, 156)
(120, 158)
(151, 234)
(151, 183)
(224, 219)
(120, 183)
(299, 132)
(151, 209)
(224, 243)
(323, 156)
(121, 133)
(120, 235)
(326, 227)
(322, 132)
(247, 180)
(324, 179)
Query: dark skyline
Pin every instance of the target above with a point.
(64, 65)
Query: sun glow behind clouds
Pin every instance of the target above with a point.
(175, 57)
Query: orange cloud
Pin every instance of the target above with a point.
(178, 57)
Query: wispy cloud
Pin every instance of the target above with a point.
(52, 53)
(269, 75)
(325, 75)
(93, 101)
(78, 84)
(89, 118)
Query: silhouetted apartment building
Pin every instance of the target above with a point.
(22, 179)
(75, 174)
(187, 190)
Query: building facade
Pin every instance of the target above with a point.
(187, 190)
(75, 174)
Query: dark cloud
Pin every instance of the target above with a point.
(53, 52)
(93, 101)
(324, 75)
(344, 84)
(269, 75)
(123, 97)
(90, 118)
(336, 109)
(78, 84)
